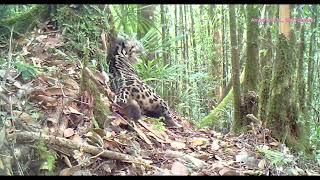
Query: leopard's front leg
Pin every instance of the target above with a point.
(130, 106)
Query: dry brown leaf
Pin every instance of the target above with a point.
(36, 92)
(141, 134)
(25, 117)
(55, 62)
(68, 132)
(274, 144)
(17, 84)
(53, 41)
(155, 132)
(178, 145)
(198, 142)
(154, 136)
(50, 80)
(47, 100)
(117, 121)
(57, 91)
(72, 84)
(228, 172)
(76, 138)
(69, 171)
(74, 111)
(179, 169)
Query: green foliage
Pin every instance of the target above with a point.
(155, 71)
(28, 71)
(7, 11)
(47, 157)
(276, 158)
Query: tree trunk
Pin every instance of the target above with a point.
(282, 109)
(194, 45)
(252, 61)
(237, 121)
(24, 22)
(224, 54)
(311, 58)
(301, 88)
(163, 33)
(266, 73)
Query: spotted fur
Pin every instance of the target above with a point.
(133, 95)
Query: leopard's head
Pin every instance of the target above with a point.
(129, 47)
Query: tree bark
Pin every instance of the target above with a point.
(252, 61)
(311, 58)
(301, 88)
(235, 71)
(282, 109)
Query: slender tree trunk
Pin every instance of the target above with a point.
(176, 32)
(266, 73)
(235, 71)
(224, 64)
(163, 34)
(193, 31)
(311, 59)
(301, 91)
(186, 44)
(252, 62)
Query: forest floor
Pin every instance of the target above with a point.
(44, 90)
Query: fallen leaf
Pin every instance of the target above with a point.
(69, 171)
(293, 172)
(68, 132)
(141, 134)
(274, 144)
(25, 117)
(17, 84)
(72, 84)
(215, 145)
(198, 142)
(2, 136)
(228, 172)
(158, 139)
(74, 111)
(56, 91)
(47, 100)
(50, 80)
(76, 138)
(300, 171)
(155, 132)
(262, 164)
(117, 121)
(1, 165)
(94, 138)
(218, 157)
(242, 157)
(179, 169)
(177, 145)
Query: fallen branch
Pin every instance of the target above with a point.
(26, 136)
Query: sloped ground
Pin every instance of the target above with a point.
(52, 103)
